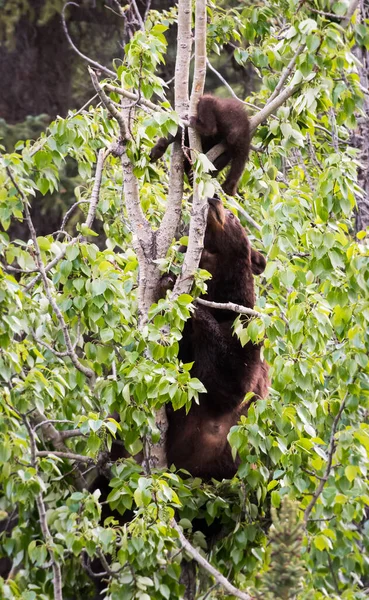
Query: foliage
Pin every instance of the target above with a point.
(301, 187)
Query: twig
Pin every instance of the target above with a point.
(132, 96)
(333, 123)
(231, 589)
(86, 58)
(286, 73)
(50, 348)
(49, 542)
(67, 215)
(233, 202)
(238, 308)
(67, 455)
(94, 200)
(332, 447)
(108, 103)
(69, 433)
(229, 88)
(266, 111)
(48, 421)
(323, 13)
(330, 133)
(139, 18)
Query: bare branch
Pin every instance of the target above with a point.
(132, 96)
(109, 104)
(331, 450)
(68, 214)
(57, 578)
(137, 12)
(67, 455)
(229, 88)
(207, 566)
(286, 73)
(238, 308)
(40, 265)
(86, 58)
(233, 202)
(269, 109)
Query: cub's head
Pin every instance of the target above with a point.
(225, 236)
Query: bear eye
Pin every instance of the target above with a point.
(231, 215)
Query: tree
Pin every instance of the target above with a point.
(85, 334)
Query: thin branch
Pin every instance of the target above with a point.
(108, 103)
(323, 13)
(50, 348)
(67, 215)
(49, 542)
(139, 18)
(238, 308)
(231, 589)
(52, 263)
(229, 88)
(132, 96)
(286, 73)
(69, 433)
(266, 111)
(89, 220)
(233, 202)
(331, 449)
(330, 133)
(40, 265)
(95, 194)
(67, 455)
(86, 58)
(48, 421)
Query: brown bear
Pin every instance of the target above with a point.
(197, 441)
(218, 120)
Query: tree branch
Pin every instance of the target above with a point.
(89, 220)
(238, 308)
(331, 449)
(269, 109)
(207, 566)
(67, 455)
(86, 58)
(49, 542)
(172, 214)
(109, 104)
(40, 265)
(286, 73)
(199, 205)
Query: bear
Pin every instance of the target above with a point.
(197, 442)
(218, 120)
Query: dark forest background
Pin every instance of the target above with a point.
(42, 77)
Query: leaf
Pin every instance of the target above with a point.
(351, 472)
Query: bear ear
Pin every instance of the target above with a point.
(258, 262)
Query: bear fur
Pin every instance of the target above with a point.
(197, 441)
(218, 120)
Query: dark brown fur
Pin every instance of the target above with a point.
(198, 442)
(218, 120)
